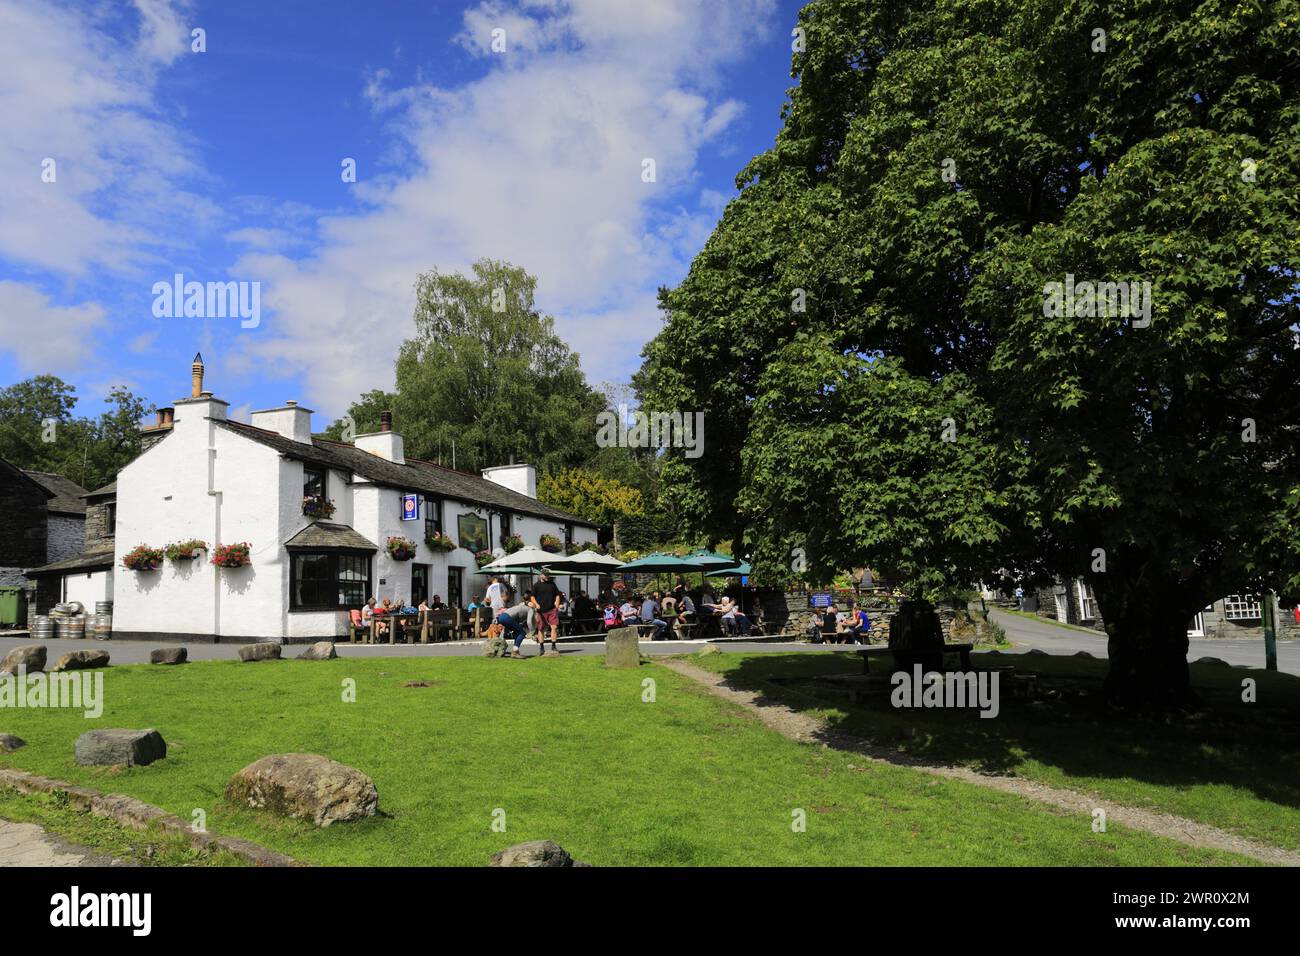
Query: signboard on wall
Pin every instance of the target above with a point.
(821, 599)
(473, 531)
(410, 507)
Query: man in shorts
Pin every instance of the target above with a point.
(546, 600)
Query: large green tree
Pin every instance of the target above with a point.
(40, 432)
(486, 375)
(870, 332)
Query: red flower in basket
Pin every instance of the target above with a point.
(233, 555)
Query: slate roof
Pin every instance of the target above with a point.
(108, 489)
(323, 534)
(416, 475)
(67, 494)
(89, 561)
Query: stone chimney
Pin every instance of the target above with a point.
(385, 443)
(290, 420)
(520, 478)
(200, 404)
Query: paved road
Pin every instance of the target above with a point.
(137, 652)
(1056, 639)
(1024, 632)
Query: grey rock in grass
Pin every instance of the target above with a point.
(709, 649)
(1212, 661)
(9, 743)
(81, 660)
(1082, 654)
(264, 651)
(305, 786)
(28, 658)
(534, 853)
(1037, 652)
(111, 747)
(320, 651)
(495, 647)
(622, 649)
(169, 655)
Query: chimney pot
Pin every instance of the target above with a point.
(386, 421)
(291, 402)
(196, 377)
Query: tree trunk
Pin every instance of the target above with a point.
(1146, 622)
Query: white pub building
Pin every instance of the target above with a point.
(209, 479)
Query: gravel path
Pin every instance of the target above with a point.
(26, 844)
(808, 729)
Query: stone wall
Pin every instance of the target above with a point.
(99, 532)
(23, 522)
(65, 536)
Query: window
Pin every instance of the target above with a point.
(1087, 601)
(1241, 607)
(328, 580)
(419, 583)
(110, 512)
(568, 536)
(313, 482)
(432, 516)
(455, 594)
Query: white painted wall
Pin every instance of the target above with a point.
(89, 589)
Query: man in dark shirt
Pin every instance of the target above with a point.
(546, 599)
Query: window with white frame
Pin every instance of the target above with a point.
(1241, 607)
(1087, 601)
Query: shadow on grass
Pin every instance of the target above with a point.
(1065, 725)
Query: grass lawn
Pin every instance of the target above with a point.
(1236, 766)
(569, 751)
(141, 847)
(1054, 622)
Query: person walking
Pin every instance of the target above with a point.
(546, 601)
(495, 597)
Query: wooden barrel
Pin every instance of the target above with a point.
(70, 628)
(42, 627)
(100, 627)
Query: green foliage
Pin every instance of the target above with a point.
(589, 495)
(39, 432)
(925, 300)
(486, 371)
(646, 532)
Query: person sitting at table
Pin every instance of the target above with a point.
(585, 612)
(375, 612)
(815, 626)
(685, 612)
(436, 604)
(830, 621)
(630, 611)
(650, 615)
(862, 626)
(732, 617)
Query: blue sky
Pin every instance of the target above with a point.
(225, 165)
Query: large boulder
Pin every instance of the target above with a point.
(496, 647)
(265, 651)
(320, 651)
(114, 746)
(534, 853)
(10, 743)
(621, 648)
(81, 660)
(306, 786)
(169, 655)
(29, 659)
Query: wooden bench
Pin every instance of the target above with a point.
(866, 653)
(440, 625)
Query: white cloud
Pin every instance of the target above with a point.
(72, 93)
(539, 162)
(43, 337)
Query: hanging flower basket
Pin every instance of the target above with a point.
(551, 543)
(401, 549)
(179, 551)
(438, 541)
(511, 543)
(484, 557)
(233, 555)
(317, 507)
(143, 558)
